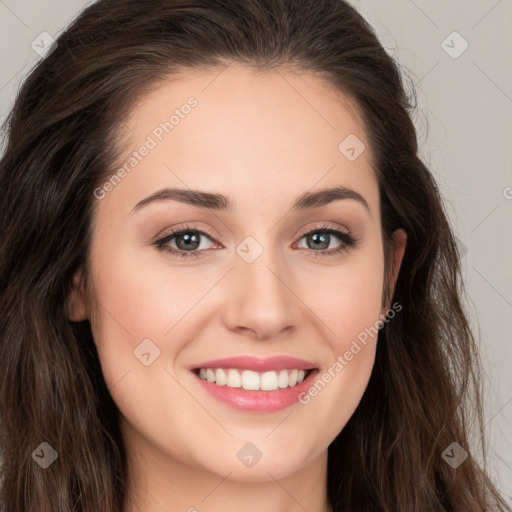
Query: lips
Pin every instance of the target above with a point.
(255, 398)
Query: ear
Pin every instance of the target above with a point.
(77, 304)
(399, 244)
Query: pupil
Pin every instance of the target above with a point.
(188, 238)
(323, 242)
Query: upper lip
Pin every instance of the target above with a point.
(257, 364)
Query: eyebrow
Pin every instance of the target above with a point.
(213, 201)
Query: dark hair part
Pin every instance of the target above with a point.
(63, 142)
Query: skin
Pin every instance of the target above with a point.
(262, 139)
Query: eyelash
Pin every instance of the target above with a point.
(348, 241)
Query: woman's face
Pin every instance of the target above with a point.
(263, 278)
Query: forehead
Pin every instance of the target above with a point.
(234, 128)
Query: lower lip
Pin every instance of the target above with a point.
(257, 401)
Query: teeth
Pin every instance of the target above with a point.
(251, 380)
(234, 379)
(282, 380)
(220, 377)
(268, 381)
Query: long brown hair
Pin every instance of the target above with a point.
(62, 143)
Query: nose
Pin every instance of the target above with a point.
(260, 299)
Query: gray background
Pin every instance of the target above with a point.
(464, 121)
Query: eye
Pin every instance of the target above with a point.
(323, 235)
(188, 242)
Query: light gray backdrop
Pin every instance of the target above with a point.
(458, 55)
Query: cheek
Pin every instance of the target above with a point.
(134, 303)
(355, 303)
(346, 298)
(139, 296)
